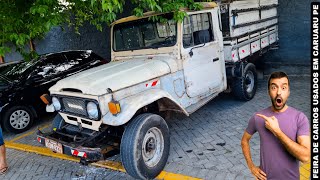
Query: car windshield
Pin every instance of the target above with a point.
(145, 33)
(15, 71)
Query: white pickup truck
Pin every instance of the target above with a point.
(158, 67)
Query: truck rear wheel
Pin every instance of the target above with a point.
(145, 146)
(244, 88)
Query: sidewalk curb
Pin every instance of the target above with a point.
(104, 164)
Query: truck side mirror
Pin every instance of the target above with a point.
(200, 37)
(191, 53)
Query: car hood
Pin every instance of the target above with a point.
(114, 75)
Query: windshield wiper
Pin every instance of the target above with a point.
(156, 45)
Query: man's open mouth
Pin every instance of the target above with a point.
(279, 101)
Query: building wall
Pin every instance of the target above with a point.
(293, 53)
(59, 39)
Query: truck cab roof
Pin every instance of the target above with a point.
(206, 5)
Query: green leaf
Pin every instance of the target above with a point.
(24, 20)
(138, 12)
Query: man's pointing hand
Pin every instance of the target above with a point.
(271, 123)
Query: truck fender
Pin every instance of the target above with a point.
(130, 105)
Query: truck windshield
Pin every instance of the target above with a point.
(145, 33)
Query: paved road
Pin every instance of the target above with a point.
(204, 145)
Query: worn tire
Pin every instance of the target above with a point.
(57, 122)
(18, 119)
(136, 146)
(244, 88)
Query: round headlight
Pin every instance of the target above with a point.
(92, 110)
(56, 103)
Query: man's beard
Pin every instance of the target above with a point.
(278, 103)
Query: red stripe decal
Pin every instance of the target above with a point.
(75, 153)
(154, 83)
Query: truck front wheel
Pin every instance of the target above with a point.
(145, 146)
(244, 88)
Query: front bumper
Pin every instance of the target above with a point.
(72, 149)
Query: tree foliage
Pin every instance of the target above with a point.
(25, 20)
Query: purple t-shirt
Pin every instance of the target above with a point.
(275, 160)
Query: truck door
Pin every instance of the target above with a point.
(201, 53)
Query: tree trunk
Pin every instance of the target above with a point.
(1, 60)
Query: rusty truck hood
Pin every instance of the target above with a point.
(114, 75)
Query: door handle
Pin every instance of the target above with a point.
(215, 59)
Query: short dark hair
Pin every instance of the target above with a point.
(278, 75)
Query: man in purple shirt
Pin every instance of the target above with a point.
(284, 135)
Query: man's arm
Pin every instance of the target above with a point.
(256, 171)
(299, 149)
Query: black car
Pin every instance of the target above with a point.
(22, 84)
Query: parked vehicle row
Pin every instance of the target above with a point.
(22, 83)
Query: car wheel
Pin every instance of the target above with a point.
(18, 119)
(145, 145)
(244, 88)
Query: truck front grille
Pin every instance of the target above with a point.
(74, 106)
